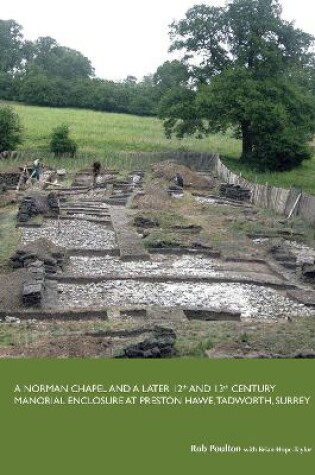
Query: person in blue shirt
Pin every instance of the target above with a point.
(37, 169)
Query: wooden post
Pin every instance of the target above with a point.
(295, 205)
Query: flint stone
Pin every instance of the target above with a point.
(9, 319)
(33, 288)
(37, 263)
(49, 261)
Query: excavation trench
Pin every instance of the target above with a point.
(109, 267)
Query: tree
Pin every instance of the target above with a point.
(180, 103)
(59, 61)
(245, 60)
(43, 90)
(10, 129)
(130, 79)
(61, 143)
(45, 73)
(6, 86)
(170, 75)
(14, 50)
(11, 46)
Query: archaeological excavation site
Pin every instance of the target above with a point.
(183, 259)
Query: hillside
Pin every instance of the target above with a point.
(106, 136)
(101, 133)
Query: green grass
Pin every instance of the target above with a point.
(117, 140)
(164, 219)
(161, 239)
(107, 136)
(234, 338)
(301, 177)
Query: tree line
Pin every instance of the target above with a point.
(243, 69)
(45, 73)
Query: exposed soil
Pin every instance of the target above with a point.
(155, 198)
(168, 170)
(62, 347)
(11, 284)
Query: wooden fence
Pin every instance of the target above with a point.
(284, 201)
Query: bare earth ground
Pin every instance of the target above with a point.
(10, 289)
(227, 228)
(214, 339)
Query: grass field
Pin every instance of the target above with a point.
(101, 134)
(111, 137)
(301, 177)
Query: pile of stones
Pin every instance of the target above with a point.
(39, 262)
(235, 192)
(33, 289)
(34, 205)
(11, 320)
(30, 260)
(9, 178)
(158, 345)
(22, 258)
(32, 293)
(28, 208)
(53, 204)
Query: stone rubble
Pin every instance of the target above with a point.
(235, 192)
(32, 293)
(171, 265)
(34, 205)
(73, 234)
(208, 200)
(190, 266)
(249, 300)
(28, 208)
(53, 204)
(9, 319)
(39, 261)
(9, 178)
(296, 256)
(303, 253)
